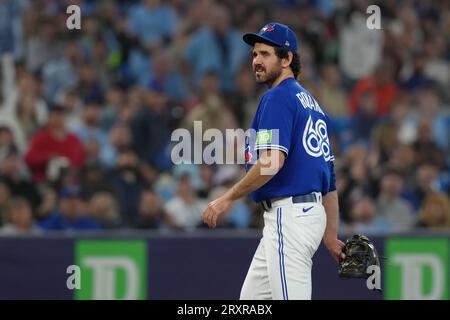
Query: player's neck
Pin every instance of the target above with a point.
(283, 76)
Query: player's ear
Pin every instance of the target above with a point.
(287, 61)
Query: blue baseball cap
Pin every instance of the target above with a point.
(274, 33)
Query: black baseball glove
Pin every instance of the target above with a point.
(360, 253)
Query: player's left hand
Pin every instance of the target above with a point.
(215, 209)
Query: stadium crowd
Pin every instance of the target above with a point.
(86, 115)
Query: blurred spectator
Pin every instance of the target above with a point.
(7, 144)
(48, 204)
(23, 110)
(90, 38)
(103, 209)
(309, 71)
(5, 201)
(153, 22)
(11, 35)
(403, 35)
(102, 65)
(28, 84)
(165, 186)
(19, 219)
(400, 116)
(44, 45)
(420, 121)
(435, 212)
(128, 184)
(69, 214)
(381, 85)
(414, 73)
(365, 118)
(217, 47)
(206, 176)
(120, 139)
(385, 142)
(245, 97)
(227, 174)
(165, 75)
(59, 74)
(430, 109)
(151, 212)
(425, 180)
(115, 99)
(211, 111)
(149, 174)
(343, 185)
(365, 218)
(186, 210)
(150, 128)
(52, 144)
(331, 94)
(134, 101)
(437, 66)
(13, 172)
(354, 179)
(403, 159)
(360, 48)
(390, 206)
(72, 104)
(24, 105)
(94, 138)
(88, 85)
(426, 149)
(30, 114)
(194, 172)
(93, 180)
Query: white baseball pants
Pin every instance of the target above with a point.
(281, 266)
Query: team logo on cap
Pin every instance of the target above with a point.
(267, 28)
(248, 154)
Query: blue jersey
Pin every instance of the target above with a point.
(289, 119)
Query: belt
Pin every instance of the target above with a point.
(310, 197)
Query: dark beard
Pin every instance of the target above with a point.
(271, 77)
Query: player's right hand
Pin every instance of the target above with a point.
(215, 209)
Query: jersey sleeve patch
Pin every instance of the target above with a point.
(269, 139)
(264, 137)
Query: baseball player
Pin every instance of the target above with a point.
(289, 171)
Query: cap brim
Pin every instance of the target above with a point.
(252, 38)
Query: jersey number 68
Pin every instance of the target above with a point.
(315, 139)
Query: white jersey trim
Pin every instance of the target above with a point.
(271, 146)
